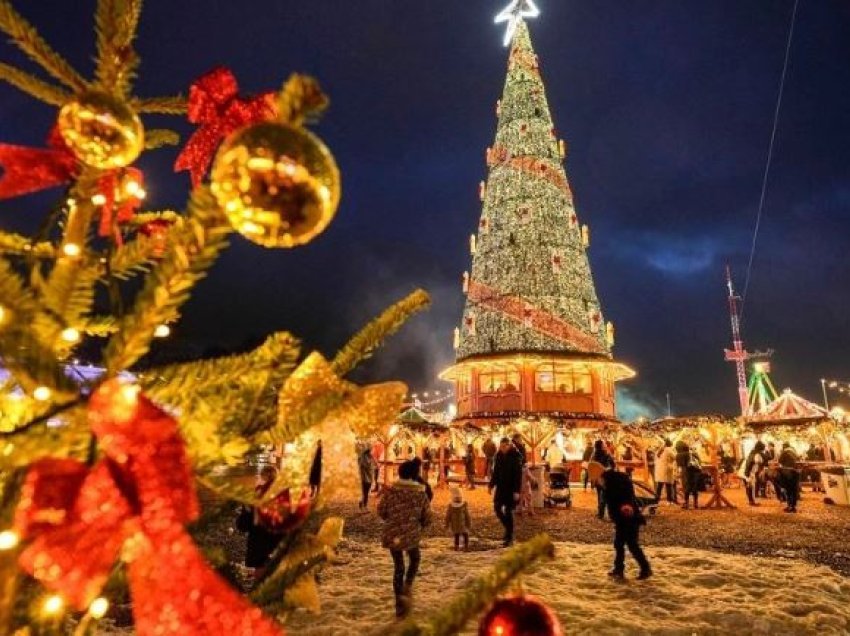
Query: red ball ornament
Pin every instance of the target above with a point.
(519, 616)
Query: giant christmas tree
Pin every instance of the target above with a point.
(533, 338)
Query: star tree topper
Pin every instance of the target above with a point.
(513, 13)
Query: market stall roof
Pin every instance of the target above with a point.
(415, 419)
(789, 408)
(560, 419)
(678, 423)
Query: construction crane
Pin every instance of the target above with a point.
(737, 353)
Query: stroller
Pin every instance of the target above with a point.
(557, 489)
(645, 497)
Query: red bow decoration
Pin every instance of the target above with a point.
(133, 504)
(214, 103)
(28, 170)
(111, 186)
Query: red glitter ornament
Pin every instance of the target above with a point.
(519, 616)
(132, 505)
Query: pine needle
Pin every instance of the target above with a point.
(159, 137)
(372, 335)
(33, 86)
(175, 105)
(25, 36)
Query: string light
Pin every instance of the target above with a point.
(162, 331)
(2, 314)
(9, 540)
(70, 335)
(71, 250)
(53, 605)
(98, 607)
(42, 393)
(99, 199)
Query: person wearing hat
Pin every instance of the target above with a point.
(457, 518)
(506, 481)
(628, 518)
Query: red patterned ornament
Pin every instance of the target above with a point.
(214, 103)
(133, 505)
(519, 616)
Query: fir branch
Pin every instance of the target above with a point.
(34, 365)
(116, 22)
(132, 258)
(33, 86)
(19, 305)
(480, 592)
(370, 337)
(100, 326)
(19, 245)
(159, 137)
(143, 218)
(197, 244)
(176, 105)
(25, 36)
(69, 295)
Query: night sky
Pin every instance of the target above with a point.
(667, 108)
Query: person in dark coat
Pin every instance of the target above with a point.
(603, 457)
(489, 449)
(469, 466)
(516, 440)
(316, 471)
(262, 538)
(789, 476)
(627, 518)
(506, 480)
(585, 460)
(690, 470)
(753, 468)
(420, 479)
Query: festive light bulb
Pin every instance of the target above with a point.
(42, 393)
(98, 199)
(2, 314)
(71, 249)
(9, 539)
(53, 605)
(162, 331)
(132, 188)
(98, 607)
(70, 335)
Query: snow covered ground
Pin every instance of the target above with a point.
(693, 592)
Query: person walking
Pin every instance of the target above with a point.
(789, 476)
(458, 520)
(420, 478)
(627, 517)
(665, 465)
(316, 471)
(554, 455)
(469, 466)
(489, 449)
(529, 484)
(690, 469)
(585, 460)
(378, 451)
(603, 460)
(406, 512)
(367, 466)
(753, 466)
(506, 481)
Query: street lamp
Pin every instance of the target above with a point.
(825, 398)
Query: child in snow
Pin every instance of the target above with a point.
(529, 483)
(406, 511)
(457, 519)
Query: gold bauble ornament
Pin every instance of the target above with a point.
(101, 131)
(278, 184)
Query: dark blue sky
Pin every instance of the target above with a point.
(667, 109)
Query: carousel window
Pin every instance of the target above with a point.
(548, 380)
(498, 381)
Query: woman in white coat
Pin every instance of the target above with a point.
(665, 471)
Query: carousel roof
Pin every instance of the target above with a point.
(414, 418)
(790, 406)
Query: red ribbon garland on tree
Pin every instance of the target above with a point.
(133, 503)
(214, 103)
(27, 170)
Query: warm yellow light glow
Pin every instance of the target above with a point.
(98, 199)
(98, 607)
(9, 539)
(53, 605)
(70, 335)
(42, 393)
(133, 187)
(2, 314)
(162, 331)
(71, 249)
